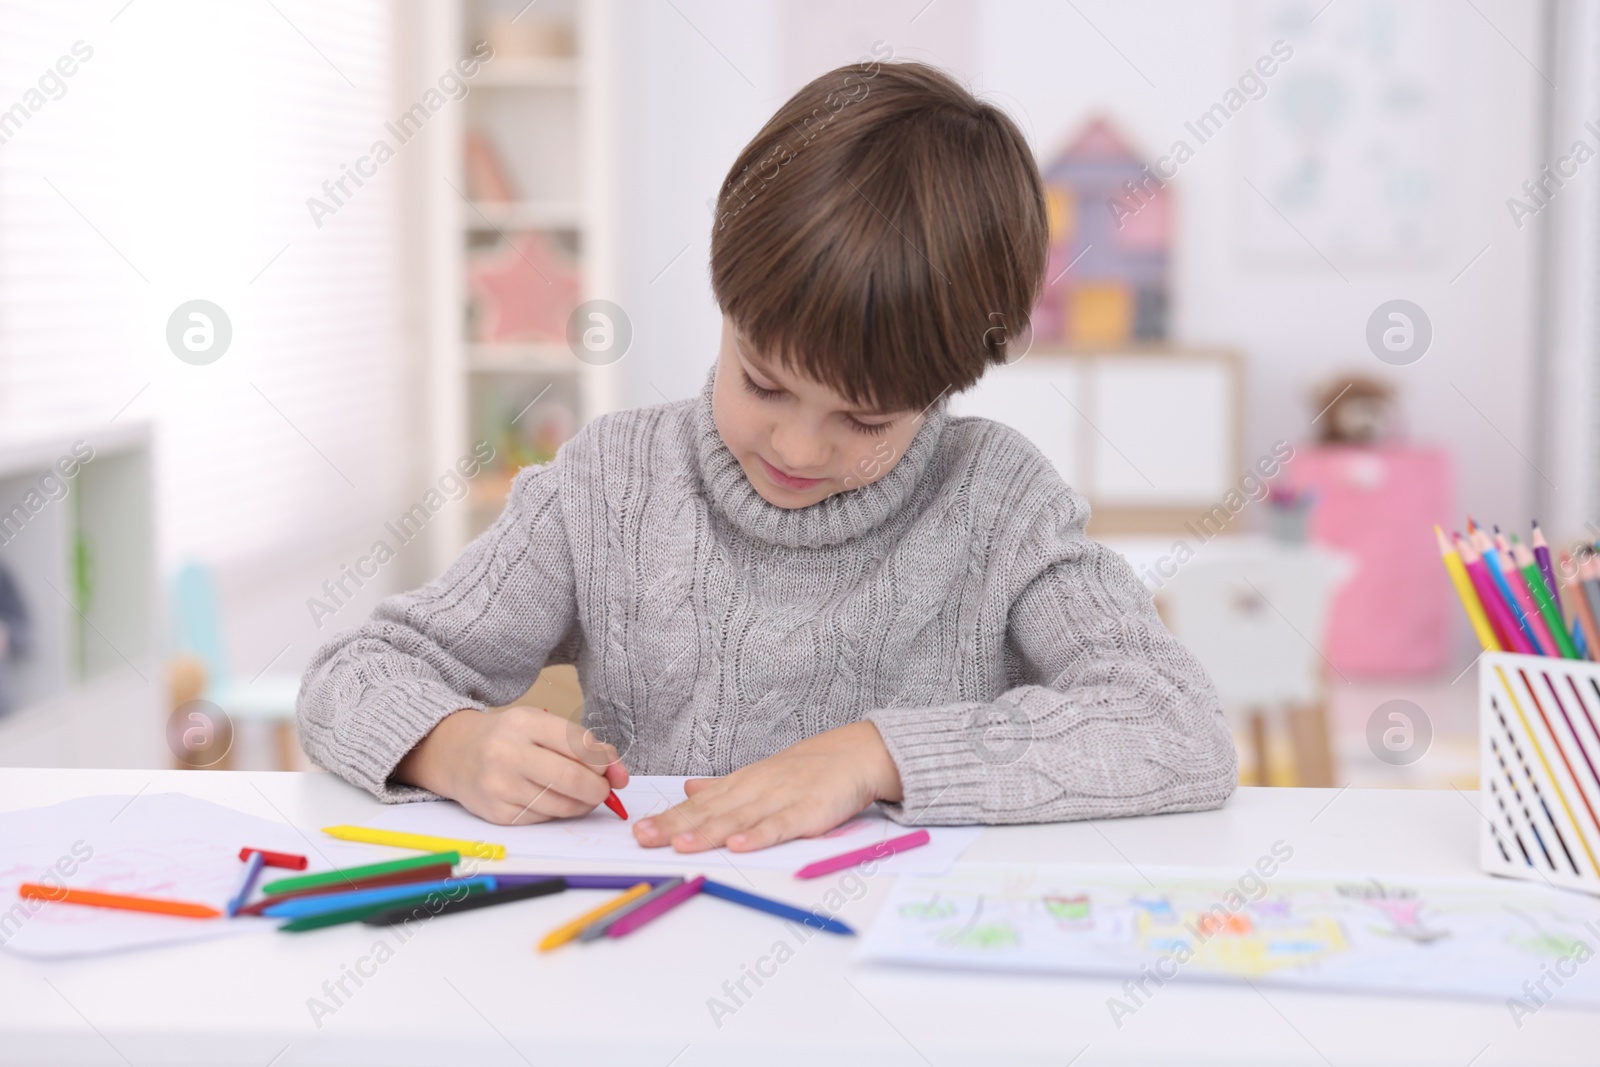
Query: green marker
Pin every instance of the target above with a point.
(350, 874)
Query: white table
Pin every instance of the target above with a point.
(471, 990)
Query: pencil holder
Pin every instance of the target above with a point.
(1539, 732)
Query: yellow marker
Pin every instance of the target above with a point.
(422, 842)
(562, 934)
(1469, 596)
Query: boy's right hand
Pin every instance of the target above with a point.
(520, 765)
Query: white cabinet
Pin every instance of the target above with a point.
(1150, 438)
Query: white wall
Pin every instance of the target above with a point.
(1573, 381)
(686, 111)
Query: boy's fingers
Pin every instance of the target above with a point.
(773, 830)
(579, 743)
(658, 829)
(533, 803)
(711, 815)
(566, 738)
(709, 799)
(661, 829)
(499, 812)
(555, 756)
(575, 780)
(595, 752)
(715, 827)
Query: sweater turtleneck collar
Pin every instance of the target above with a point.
(831, 521)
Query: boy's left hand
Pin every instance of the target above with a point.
(803, 791)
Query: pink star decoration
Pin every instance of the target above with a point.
(525, 290)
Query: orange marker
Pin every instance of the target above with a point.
(62, 895)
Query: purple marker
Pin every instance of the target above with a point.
(247, 882)
(587, 881)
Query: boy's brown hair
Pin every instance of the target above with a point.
(884, 234)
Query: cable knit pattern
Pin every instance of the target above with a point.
(1017, 671)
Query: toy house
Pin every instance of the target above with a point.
(1110, 236)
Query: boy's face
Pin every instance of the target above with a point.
(798, 441)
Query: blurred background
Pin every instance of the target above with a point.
(289, 290)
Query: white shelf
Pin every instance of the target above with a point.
(554, 72)
(522, 215)
(522, 358)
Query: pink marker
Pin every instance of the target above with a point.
(882, 850)
(659, 906)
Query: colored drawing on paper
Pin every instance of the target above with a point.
(976, 933)
(1451, 937)
(151, 844)
(928, 910)
(1073, 909)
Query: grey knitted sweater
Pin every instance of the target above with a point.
(1017, 671)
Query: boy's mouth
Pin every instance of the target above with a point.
(788, 481)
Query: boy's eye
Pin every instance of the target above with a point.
(873, 428)
(756, 390)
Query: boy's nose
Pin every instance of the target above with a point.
(799, 451)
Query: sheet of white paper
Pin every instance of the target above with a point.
(156, 844)
(1443, 937)
(603, 838)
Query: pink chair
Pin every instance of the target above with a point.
(1378, 506)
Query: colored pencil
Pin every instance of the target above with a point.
(1464, 590)
(433, 873)
(1544, 641)
(247, 882)
(1541, 553)
(882, 850)
(1589, 589)
(587, 881)
(502, 895)
(658, 907)
(614, 802)
(1491, 559)
(1511, 635)
(1571, 607)
(286, 860)
(1578, 597)
(120, 901)
(1580, 639)
(601, 925)
(302, 906)
(350, 874)
(484, 850)
(1582, 611)
(361, 911)
(569, 930)
(774, 907)
(1534, 580)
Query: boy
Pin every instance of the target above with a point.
(809, 584)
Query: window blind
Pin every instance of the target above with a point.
(173, 164)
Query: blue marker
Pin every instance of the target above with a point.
(304, 907)
(773, 907)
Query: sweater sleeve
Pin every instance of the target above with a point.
(477, 636)
(1115, 716)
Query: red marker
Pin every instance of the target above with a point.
(276, 859)
(614, 802)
